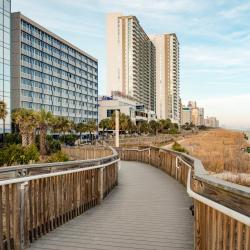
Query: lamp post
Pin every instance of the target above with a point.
(117, 128)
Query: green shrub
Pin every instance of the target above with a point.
(12, 138)
(13, 154)
(52, 146)
(173, 131)
(177, 147)
(31, 153)
(58, 157)
(69, 139)
(16, 154)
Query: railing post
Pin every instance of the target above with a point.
(100, 185)
(149, 160)
(22, 190)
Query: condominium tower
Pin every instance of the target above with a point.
(131, 60)
(5, 6)
(52, 74)
(167, 76)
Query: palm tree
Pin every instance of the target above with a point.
(45, 121)
(81, 128)
(62, 125)
(3, 115)
(105, 124)
(91, 127)
(154, 126)
(27, 121)
(124, 122)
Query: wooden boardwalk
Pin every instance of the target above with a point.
(147, 210)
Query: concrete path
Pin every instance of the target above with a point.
(148, 210)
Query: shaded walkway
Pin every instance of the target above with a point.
(148, 210)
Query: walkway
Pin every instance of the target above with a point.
(148, 210)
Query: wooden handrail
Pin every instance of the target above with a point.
(44, 196)
(221, 208)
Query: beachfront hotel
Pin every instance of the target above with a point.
(5, 92)
(167, 76)
(50, 73)
(130, 60)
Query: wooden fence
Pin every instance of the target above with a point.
(87, 152)
(221, 208)
(35, 199)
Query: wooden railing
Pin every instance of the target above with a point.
(35, 199)
(221, 208)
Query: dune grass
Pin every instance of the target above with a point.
(220, 152)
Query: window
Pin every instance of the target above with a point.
(110, 112)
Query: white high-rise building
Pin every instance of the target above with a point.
(167, 76)
(130, 60)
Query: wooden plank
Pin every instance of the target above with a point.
(239, 235)
(16, 215)
(247, 236)
(1, 218)
(198, 241)
(225, 232)
(232, 234)
(214, 231)
(35, 202)
(7, 215)
(219, 231)
(241, 204)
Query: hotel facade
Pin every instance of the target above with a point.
(167, 77)
(131, 60)
(5, 90)
(50, 73)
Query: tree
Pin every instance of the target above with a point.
(81, 128)
(124, 122)
(3, 115)
(45, 121)
(154, 126)
(144, 127)
(91, 127)
(62, 124)
(165, 124)
(105, 124)
(27, 121)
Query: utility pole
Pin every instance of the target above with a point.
(117, 128)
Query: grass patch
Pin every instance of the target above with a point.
(177, 147)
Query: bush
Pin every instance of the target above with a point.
(31, 153)
(52, 145)
(58, 157)
(177, 147)
(173, 131)
(16, 154)
(69, 139)
(12, 138)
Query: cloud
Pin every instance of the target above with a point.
(237, 11)
(217, 56)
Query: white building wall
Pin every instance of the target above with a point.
(114, 58)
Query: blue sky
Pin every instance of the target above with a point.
(214, 41)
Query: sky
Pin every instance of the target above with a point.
(214, 41)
